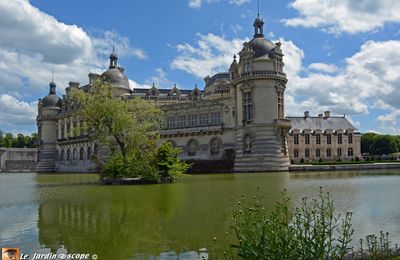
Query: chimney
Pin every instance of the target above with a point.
(306, 114)
(327, 114)
(73, 84)
(93, 77)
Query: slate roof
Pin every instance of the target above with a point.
(322, 123)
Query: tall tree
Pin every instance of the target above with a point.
(129, 127)
(366, 142)
(383, 144)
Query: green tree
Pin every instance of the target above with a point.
(383, 144)
(128, 127)
(167, 163)
(8, 140)
(1, 138)
(366, 141)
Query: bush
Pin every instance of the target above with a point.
(310, 231)
(367, 159)
(302, 160)
(320, 160)
(358, 159)
(292, 161)
(167, 163)
(307, 232)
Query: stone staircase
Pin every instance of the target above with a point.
(46, 165)
(47, 161)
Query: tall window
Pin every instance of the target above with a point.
(296, 138)
(307, 153)
(192, 147)
(350, 137)
(281, 112)
(318, 138)
(181, 121)
(328, 152)
(62, 155)
(328, 138)
(339, 138)
(68, 154)
(247, 107)
(296, 153)
(215, 118)
(192, 120)
(89, 153)
(350, 152)
(339, 152)
(203, 119)
(81, 154)
(170, 122)
(247, 65)
(318, 153)
(307, 138)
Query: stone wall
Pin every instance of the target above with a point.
(18, 159)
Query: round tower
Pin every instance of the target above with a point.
(48, 108)
(259, 83)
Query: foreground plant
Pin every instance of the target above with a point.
(310, 231)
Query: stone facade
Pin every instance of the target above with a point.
(237, 120)
(18, 159)
(324, 137)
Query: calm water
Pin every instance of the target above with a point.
(42, 213)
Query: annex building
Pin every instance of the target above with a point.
(235, 123)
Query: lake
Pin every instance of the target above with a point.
(46, 212)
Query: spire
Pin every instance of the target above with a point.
(52, 89)
(52, 85)
(113, 56)
(258, 23)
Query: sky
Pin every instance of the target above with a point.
(340, 55)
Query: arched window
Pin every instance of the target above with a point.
(96, 148)
(81, 154)
(74, 155)
(68, 154)
(89, 153)
(192, 147)
(215, 146)
(62, 157)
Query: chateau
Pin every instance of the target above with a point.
(237, 122)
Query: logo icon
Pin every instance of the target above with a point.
(8, 253)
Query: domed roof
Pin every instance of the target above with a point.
(261, 46)
(51, 100)
(116, 77)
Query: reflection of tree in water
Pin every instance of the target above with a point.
(113, 222)
(118, 222)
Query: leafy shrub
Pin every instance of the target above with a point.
(320, 160)
(168, 165)
(302, 160)
(357, 159)
(311, 231)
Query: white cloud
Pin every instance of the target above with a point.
(196, 4)
(211, 55)
(103, 45)
(323, 67)
(33, 42)
(345, 15)
(133, 84)
(15, 113)
(160, 80)
(238, 2)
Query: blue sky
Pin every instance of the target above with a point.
(342, 56)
